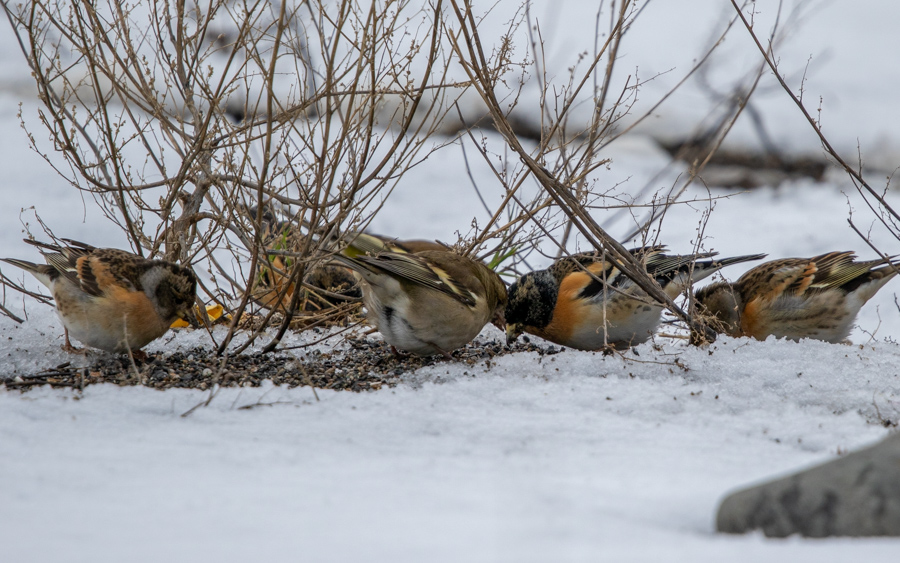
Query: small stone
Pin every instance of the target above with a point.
(855, 495)
(206, 372)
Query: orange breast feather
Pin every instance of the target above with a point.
(567, 314)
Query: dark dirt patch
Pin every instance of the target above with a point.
(368, 365)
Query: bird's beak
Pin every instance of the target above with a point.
(180, 320)
(499, 320)
(512, 333)
(190, 315)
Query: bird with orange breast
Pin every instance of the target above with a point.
(585, 301)
(796, 298)
(111, 299)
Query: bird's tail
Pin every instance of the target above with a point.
(43, 272)
(690, 272)
(718, 263)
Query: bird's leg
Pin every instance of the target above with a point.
(68, 347)
(138, 355)
(443, 352)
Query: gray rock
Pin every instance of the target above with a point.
(855, 495)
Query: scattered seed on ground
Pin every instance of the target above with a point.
(365, 366)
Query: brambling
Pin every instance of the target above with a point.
(428, 301)
(273, 286)
(584, 301)
(111, 299)
(796, 298)
(337, 282)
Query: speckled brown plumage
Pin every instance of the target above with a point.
(273, 287)
(796, 298)
(428, 302)
(584, 301)
(112, 299)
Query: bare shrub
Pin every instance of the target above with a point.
(566, 158)
(247, 138)
(178, 118)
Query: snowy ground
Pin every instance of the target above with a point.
(572, 457)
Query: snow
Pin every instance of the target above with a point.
(566, 457)
(562, 459)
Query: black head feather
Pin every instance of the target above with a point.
(177, 291)
(532, 299)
